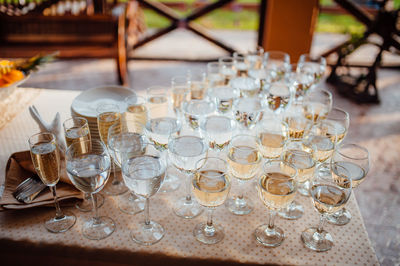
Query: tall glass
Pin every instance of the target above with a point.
(211, 187)
(214, 76)
(198, 86)
(355, 159)
(180, 86)
(76, 129)
(136, 110)
(46, 160)
(241, 64)
(227, 69)
(317, 104)
(244, 160)
(144, 175)
(108, 115)
(157, 102)
(125, 142)
(329, 195)
(184, 151)
(88, 168)
(277, 189)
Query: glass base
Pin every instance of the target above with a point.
(114, 187)
(317, 241)
(187, 210)
(86, 205)
(304, 188)
(147, 234)
(130, 203)
(341, 217)
(292, 212)
(270, 237)
(171, 183)
(208, 235)
(239, 206)
(100, 228)
(62, 224)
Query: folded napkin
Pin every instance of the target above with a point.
(20, 167)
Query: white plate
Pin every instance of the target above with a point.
(85, 104)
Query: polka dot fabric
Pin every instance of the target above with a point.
(352, 246)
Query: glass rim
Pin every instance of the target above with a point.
(232, 122)
(255, 139)
(162, 166)
(76, 118)
(347, 115)
(172, 137)
(212, 158)
(291, 177)
(53, 137)
(347, 145)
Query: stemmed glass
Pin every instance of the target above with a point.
(211, 186)
(224, 97)
(277, 61)
(248, 87)
(126, 140)
(144, 175)
(312, 65)
(107, 115)
(301, 82)
(136, 110)
(196, 110)
(247, 112)
(88, 168)
(46, 160)
(340, 120)
(278, 97)
(329, 195)
(355, 159)
(244, 160)
(317, 104)
(218, 131)
(227, 68)
(184, 151)
(76, 129)
(214, 77)
(198, 86)
(277, 189)
(272, 134)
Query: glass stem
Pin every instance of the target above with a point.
(271, 222)
(320, 227)
(188, 188)
(115, 179)
(147, 212)
(209, 229)
(59, 213)
(96, 213)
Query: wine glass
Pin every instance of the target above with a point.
(277, 61)
(107, 115)
(241, 64)
(247, 86)
(196, 110)
(297, 123)
(224, 97)
(124, 142)
(180, 86)
(248, 111)
(244, 160)
(278, 96)
(329, 195)
(355, 159)
(277, 189)
(302, 158)
(211, 186)
(136, 109)
(218, 130)
(88, 168)
(272, 134)
(144, 174)
(301, 82)
(312, 65)
(227, 69)
(184, 150)
(157, 102)
(46, 160)
(321, 139)
(317, 104)
(76, 129)
(254, 58)
(340, 120)
(214, 77)
(198, 86)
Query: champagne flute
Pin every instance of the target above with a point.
(107, 115)
(124, 141)
(184, 151)
(157, 102)
(355, 159)
(76, 129)
(328, 195)
(218, 131)
(180, 86)
(272, 134)
(136, 110)
(340, 120)
(317, 104)
(144, 175)
(46, 160)
(211, 186)
(244, 160)
(88, 168)
(277, 189)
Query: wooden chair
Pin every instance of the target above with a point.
(77, 29)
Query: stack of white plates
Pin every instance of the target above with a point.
(86, 103)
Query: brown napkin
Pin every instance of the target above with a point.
(19, 167)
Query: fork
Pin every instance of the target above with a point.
(28, 190)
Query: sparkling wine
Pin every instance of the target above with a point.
(105, 121)
(185, 151)
(328, 198)
(303, 161)
(158, 130)
(46, 160)
(143, 175)
(271, 144)
(355, 172)
(315, 111)
(77, 134)
(243, 162)
(277, 190)
(210, 187)
(157, 106)
(89, 172)
(137, 113)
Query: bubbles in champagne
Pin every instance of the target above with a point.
(46, 160)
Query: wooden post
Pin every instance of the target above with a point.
(288, 26)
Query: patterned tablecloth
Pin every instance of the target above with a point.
(22, 232)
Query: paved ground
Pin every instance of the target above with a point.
(377, 127)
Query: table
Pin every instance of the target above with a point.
(22, 232)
